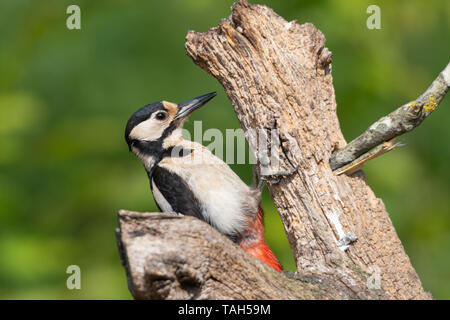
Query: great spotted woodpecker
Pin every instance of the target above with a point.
(186, 178)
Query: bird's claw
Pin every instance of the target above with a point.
(273, 176)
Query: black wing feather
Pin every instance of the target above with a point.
(177, 192)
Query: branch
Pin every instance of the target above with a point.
(180, 257)
(277, 74)
(398, 122)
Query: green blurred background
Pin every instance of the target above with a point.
(65, 97)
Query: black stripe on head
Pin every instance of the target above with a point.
(141, 115)
(154, 148)
(177, 152)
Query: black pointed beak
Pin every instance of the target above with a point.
(186, 108)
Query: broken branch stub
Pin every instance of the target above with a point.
(180, 257)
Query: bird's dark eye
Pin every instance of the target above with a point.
(161, 116)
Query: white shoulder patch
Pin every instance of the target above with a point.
(160, 200)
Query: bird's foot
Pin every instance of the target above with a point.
(270, 176)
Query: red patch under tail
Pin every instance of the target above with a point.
(254, 243)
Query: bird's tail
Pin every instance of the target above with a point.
(252, 241)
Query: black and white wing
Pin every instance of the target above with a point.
(173, 194)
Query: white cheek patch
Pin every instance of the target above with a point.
(149, 130)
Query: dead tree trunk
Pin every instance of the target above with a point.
(277, 75)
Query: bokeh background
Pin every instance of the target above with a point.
(65, 97)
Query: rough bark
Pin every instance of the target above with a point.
(181, 257)
(277, 74)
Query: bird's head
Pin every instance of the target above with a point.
(155, 126)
